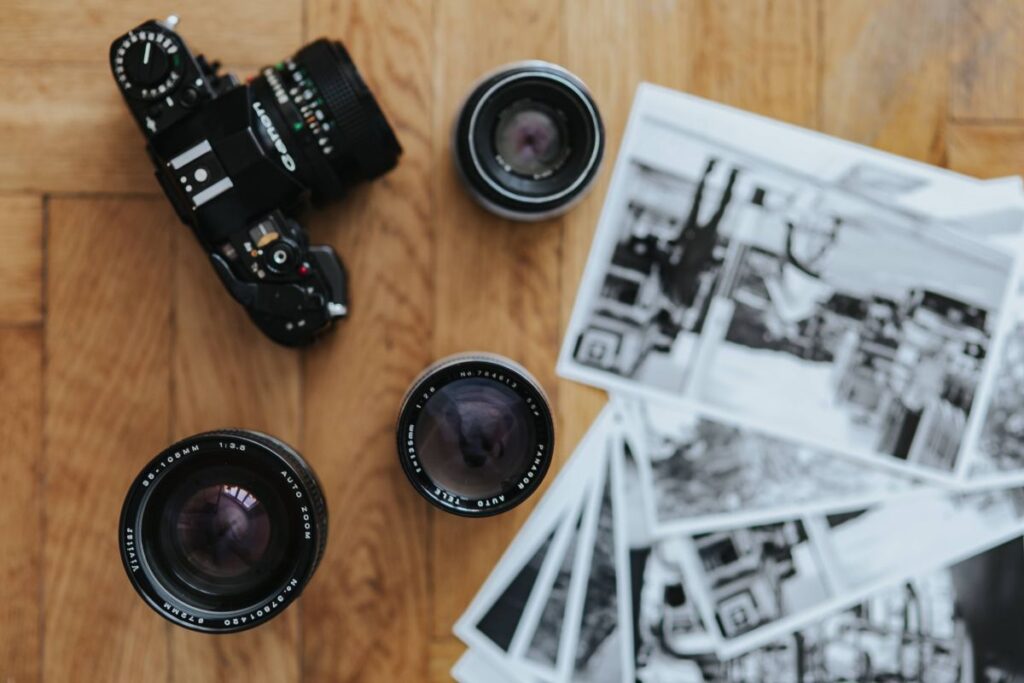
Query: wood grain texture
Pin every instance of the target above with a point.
(758, 55)
(80, 31)
(89, 142)
(21, 510)
(116, 338)
(21, 259)
(107, 412)
(988, 60)
(497, 283)
(885, 74)
(364, 615)
(226, 375)
(987, 151)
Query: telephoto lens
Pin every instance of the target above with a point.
(475, 434)
(528, 141)
(222, 530)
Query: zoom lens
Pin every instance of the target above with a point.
(319, 105)
(222, 530)
(475, 434)
(528, 141)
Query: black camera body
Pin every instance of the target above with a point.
(239, 161)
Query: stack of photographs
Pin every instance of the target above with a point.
(811, 466)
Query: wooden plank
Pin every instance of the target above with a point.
(497, 283)
(89, 142)
(228, 374)
(364, 616)
(759, 55)
(107, 413)
(233, 31)
(21, 259)
(21, 510)
(986, 151)
(444, 652)
(885, 74)
(988, 60)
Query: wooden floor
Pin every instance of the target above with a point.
(116, 338)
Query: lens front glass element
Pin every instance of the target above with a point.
(474, 437)
(218, 534)
(222, 531)
(475, 434)
(531, 138)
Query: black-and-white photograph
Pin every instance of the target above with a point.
(811, 304)
(959, 620)
(1000, 445)
(806, 568)
(758, 575)
(660, 618)
(963, 624)
(597, 659)
(544, 645)
(868, 547)
(500, 621)
(700, 473)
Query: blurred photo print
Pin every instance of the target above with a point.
(700, 473)
(791, 284)
(951, 615)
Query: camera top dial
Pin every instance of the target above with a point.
(148, 64)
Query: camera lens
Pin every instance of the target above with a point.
(223, 530)
(475, 434)
(528, 141)
(333, 131)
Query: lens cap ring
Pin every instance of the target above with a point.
(475, 434)
(286, 491)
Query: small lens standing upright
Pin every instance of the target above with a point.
(475, 434)
(222, 530)
(528, 141)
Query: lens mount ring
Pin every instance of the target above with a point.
(298, 522)
(506, 373)
(487, 183)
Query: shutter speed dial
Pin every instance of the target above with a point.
(148, 64)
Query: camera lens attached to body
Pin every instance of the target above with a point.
(222, 530)
(475, 434)
(240, 161)
(528, 141)
(320, 103)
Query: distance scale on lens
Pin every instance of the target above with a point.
(148, 64)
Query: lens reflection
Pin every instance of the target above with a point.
(473, 437)
(530, 139)
(223, 531)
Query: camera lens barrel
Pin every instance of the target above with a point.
(223, 530)
(475, 434)
(319, 104)
(528, 141)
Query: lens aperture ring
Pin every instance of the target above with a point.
(363, 139)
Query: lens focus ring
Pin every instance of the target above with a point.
(365, 139)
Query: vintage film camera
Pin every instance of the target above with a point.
(238, 161)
